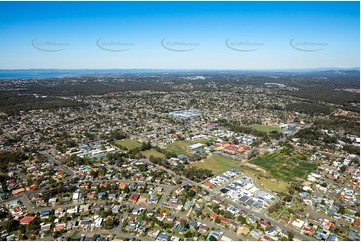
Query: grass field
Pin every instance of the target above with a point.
(152, 152)
(284, 168)
(264, 128)
(216, 164)
(128, 143)
(263, 179)
(180, 147)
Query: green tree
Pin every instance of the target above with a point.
(10, 225)
(189, 234)
(290, 236)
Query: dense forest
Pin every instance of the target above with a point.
(11, 102)
(344, 124)
(309, 108)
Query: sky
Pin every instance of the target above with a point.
(179, 35)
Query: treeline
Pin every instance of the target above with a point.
(168, 154)
(197, 174)
(327, 93)
(235, 127)
(352, 149)
(10, 158)
(12, 103)
(93, 87)
(116, 135)
(313, 136)
(308, 108)
(346, 124)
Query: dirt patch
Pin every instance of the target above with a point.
(243, 230)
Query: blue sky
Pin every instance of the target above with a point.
(179, 35)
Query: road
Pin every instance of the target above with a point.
(257, 214)
(101, 232)
(228, 233)
(22, 176)
(68, 171)
(117, 230)
(166, 193)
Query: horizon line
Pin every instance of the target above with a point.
(188, 69)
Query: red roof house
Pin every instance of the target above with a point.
(134, 197)
(27, 220)
(357, 222)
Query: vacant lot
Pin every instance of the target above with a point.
(216, 164)
(264, 128)
(178, 147)
(129, 144)
(288, 169)
(264, 180)
(152, 152)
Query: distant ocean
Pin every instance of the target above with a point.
(58, 73)
(49, 73)
(30, 74)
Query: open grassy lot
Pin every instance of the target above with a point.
(152, 152)
(264, 128)
(179, 147)
(284, 168)
(216, 164)
(128, 144)
(263, 179)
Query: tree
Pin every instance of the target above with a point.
(56, 234)
(342, 210)
(191, 193)
(212, 238)
(3, 214)
(242, 219)
(126, 189)
(10, 225)
(34, 225)
(228, 214)
(343, 168)
(189, 234)
(290, 236)
(109, 223)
